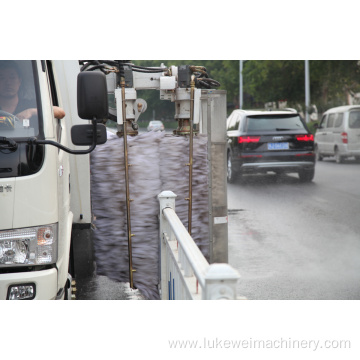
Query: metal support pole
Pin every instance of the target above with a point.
(307, 90)
(191, 150)
(128, 200)
(241, 100)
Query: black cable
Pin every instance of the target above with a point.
(207, 82)
(145, 69)
(148, 68)
(90, 65)
(202, 79)
(148, 71)
(102, 68)
(112, 62)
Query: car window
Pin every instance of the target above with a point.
(323, 122)
(233, 122)
(331, 120)
(237, 121)
(339, 119)
(354, 120)
(274, 123)
(228, 121)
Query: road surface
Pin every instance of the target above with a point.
(293, 240)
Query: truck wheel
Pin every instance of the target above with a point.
(338, 158)
(317, 154)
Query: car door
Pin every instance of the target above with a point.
(320, 136)
(354, 131)
(338, 130)
(329, 134)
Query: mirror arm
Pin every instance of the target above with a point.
(35, 141)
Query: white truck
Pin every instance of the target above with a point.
(45, 204)
(44, 177)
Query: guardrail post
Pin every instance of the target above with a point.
(220, 282)
(166, 200)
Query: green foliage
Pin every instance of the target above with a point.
(275, 80)
(311, 126)
(268, 81)
(332, 81)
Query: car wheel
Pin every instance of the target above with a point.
(306, 175)
(231, 174)
(317, 154)
(338, 158)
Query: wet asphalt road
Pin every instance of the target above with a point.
(293, 240)
(102, 288)
(289, 240)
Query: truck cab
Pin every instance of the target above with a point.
(44, 177)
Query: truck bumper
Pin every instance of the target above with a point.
(45, 283)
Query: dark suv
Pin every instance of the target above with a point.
(263, 141)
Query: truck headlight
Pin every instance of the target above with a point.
(28, 246)
(21, 292)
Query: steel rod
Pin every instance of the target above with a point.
(128, 200)
(191, 150)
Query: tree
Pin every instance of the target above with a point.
(331, 82)
(274, 80)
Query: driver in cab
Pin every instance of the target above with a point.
(10, 101)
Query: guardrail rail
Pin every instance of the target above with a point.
(185, 273)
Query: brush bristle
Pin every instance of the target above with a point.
(158, 162)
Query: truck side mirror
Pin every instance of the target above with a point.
(92, 105)
(82, 135)
(92, 94)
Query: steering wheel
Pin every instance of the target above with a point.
(7, 120)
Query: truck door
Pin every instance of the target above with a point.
(63, 177)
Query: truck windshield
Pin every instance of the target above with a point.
(18, 106)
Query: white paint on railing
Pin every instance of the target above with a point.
(185, 273)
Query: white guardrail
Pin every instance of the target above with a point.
(185, 273)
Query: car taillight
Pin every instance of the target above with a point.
(248, 139)
(344, 137)
(305, 137)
